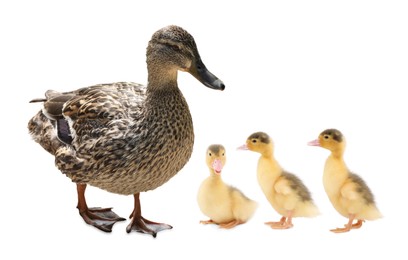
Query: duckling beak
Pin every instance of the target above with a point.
(217, 166)
(200, 72)
(243, 147)
(314, 143)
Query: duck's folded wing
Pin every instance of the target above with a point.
(356, 189)
(106, 101)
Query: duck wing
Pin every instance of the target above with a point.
(87, 122)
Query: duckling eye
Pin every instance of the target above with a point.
(254, 141)
(223, 154)
(326, 137)
(209, 154)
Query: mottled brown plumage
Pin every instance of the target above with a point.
(124, 137)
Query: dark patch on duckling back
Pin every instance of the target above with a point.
(297, 185)
(363, 189)
(336, 134)
(216, 148)
(263, 137)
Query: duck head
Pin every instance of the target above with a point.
(171, 49)
(259, 142)
(215, 158)
(330, 139)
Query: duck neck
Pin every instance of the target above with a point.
(161, 77)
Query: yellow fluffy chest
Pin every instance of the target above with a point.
(268, 172)
(214, 200)
(334, 177)
(335, 174)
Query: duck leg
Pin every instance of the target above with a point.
(101, 218)
(142, 225)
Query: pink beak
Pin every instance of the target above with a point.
(243, 147)
(217, 166)
(314, 143)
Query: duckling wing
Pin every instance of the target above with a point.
(355, 188)
(289, 183)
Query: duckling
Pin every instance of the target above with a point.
(223, 204)
(124, 137)
(347, 191)
(285, 191)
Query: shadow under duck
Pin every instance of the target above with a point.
(125, 137)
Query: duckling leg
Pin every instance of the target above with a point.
(357, 225)
(349, 225)
(231, 224)
(142, 225)
(101, 218)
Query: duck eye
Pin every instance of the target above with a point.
(209, 154)
(254, 141)
(175, 47)
(326, 137)
(223, 154)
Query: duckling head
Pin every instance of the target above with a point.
(171, 49)
(216, 158)
(259, 142)
(330, 139)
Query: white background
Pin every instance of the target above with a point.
(291, 69)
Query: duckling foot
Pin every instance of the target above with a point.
(357, 225)
(349, 226)
(101, 218)
(231, 224)
(282, 224)
(142, 225)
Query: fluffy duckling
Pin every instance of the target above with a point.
(223, 204)
(347, 191)
(285, 191)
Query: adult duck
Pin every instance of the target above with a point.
(124, 137)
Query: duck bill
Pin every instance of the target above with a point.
(200, 72)
(243, 147)
(314, 143)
